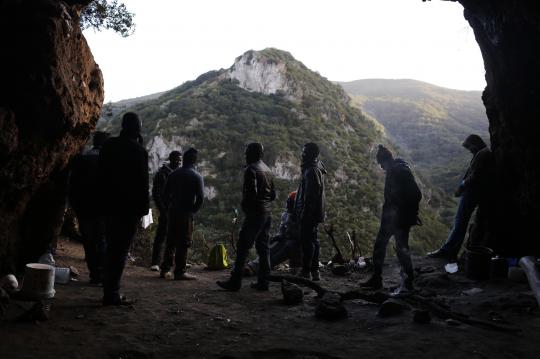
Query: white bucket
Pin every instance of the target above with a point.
(38, 282)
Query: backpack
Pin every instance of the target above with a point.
(217, 258)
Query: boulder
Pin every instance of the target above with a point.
(292, 294)
(330, 307)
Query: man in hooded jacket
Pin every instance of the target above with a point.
(158, 188)
(123, 179)
(474, 190)
(258, 192)
(310, 209)
(400, 211)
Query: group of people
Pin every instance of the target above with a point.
(110, 193)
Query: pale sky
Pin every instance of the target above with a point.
(344, 40)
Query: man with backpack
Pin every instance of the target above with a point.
(158, 188)
(400, 211)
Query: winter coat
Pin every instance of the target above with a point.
(184, 191)
(479, 175)
(158, 186)
(84, 195)
(310, 199)
(258, 190)
(123, 177)
(401, 193)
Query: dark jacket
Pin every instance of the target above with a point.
(123, 177)
(83, 185)
(184, 191)
(479, 175)
(158, 186)
(310, 200)
(401, 193)
(258, 191)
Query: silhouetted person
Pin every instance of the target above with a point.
(400, 211)
(158, 188)
(473, 190)
(257, 195)
(184, 194)
(310, 209)
(84, 198)
(123, 176)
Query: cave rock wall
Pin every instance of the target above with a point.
(508, 32)
(51, 93)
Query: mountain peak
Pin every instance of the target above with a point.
(263, 71)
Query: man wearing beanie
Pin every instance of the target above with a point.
(400, 211)
(310, 209)
(257, 195)
(123, 180)
(184, 194)
(474, 191)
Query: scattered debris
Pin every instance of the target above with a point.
(292, 294)
(451, 268)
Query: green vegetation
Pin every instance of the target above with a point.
(218, 117)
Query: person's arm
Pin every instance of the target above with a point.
(158, 190)
(199, 194)
(312, 190)
(249, 193)
(477, 168)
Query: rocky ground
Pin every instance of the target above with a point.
(196, 320)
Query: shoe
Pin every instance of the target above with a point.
(315, 275)
(184, 276)
(165, 274)
(375, 282)
(154, 268)
(405, 287)
(259, 286)
(441, 253)
(118, 301)
(305, 274)
(231, 285)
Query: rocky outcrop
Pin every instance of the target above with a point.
(508, 33)
(50, 99)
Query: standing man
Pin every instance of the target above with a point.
(84, 199)
(158, 188)
(310, 209)
(474, 191)
(400, 211)
(184, 194)
(257, 195)
(123, 178)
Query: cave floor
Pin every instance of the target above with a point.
(178, 319)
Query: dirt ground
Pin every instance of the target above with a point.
(178, 319)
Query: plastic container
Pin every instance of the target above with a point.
(38, 282)
(478, 262)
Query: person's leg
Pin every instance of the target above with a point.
(404, 256)
(174, 225)
(316, 248)
(120, 234)
(101, 247)
(279, 252)
(308, 246)
(466, 207)
(90, 253)
(185, 230)
(263, 252)
(159, 240)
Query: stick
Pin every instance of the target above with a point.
(330, 232)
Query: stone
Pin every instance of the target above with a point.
(330, 307)
(292, 294)
(391, 308)
(421, 316)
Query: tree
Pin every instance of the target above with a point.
(104, 14)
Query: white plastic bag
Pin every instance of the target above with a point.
(147, 220)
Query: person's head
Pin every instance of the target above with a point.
(175, 157)
(131, 125)
(99, 138)
(474, 143)
(254, 152)
(190, 157)
(290, 202)
(384, 157)
(310, 151)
